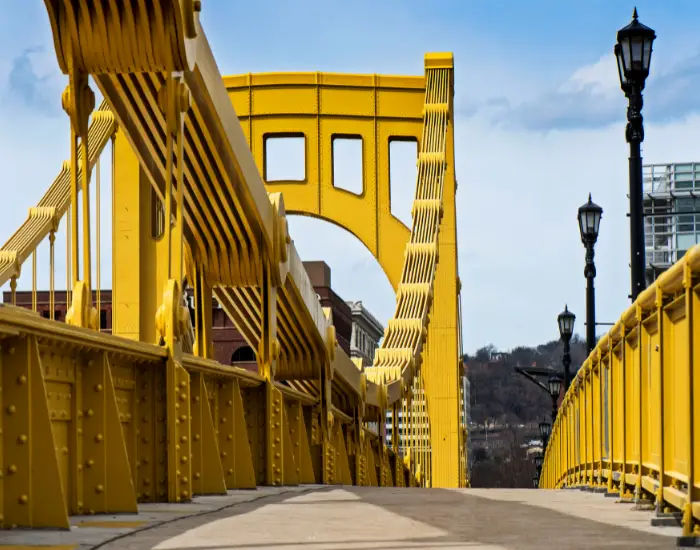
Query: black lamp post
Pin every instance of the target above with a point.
(588, 223)
(633, 52)
(554, 384)
(545, 431)
(566, 329)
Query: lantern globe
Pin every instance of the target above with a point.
(565, 321)
(633, 53)
(589, 215)
(554, 384)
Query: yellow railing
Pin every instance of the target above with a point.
(95, 423)
(629, 422)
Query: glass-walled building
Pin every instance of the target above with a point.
(671, 213)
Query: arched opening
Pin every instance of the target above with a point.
(243, 354)
(355, 272)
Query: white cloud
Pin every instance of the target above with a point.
(599, 77)
(521, 258)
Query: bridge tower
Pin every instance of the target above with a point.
(375, 109)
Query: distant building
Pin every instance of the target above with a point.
(320, 277)
(671, 214)
(420, 425)
(366, 333)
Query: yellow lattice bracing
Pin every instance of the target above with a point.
(406, 331)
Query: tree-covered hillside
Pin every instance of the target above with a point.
(506, 408)
(500, 395)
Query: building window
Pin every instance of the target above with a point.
(684, 242)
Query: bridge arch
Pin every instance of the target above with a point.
(320, 108)
(349, 231)
(352, 264)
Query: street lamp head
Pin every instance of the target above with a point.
(545, 429)
(633, 53)
(554, 384)
(566, 324)
(589, 221)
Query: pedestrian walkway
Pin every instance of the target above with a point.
(367, 518)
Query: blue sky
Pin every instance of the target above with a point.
(539, 124)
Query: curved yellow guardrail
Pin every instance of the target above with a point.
(630, 422)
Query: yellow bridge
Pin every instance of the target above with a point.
(96, 423)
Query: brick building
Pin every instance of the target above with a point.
(24, 298)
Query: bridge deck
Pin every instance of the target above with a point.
(361, 517)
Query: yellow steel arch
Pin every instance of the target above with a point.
(320, 106)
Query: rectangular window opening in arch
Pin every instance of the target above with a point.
(348, 163)
(284, 157)
(403, 175)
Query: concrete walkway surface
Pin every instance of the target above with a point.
(336, 518)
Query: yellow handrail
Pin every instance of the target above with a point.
(628, 422)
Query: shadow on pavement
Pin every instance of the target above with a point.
(385, 518)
